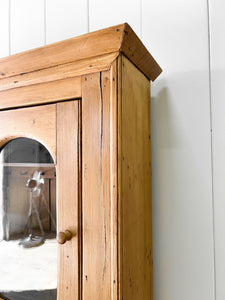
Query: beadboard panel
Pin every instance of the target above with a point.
(65, 19)
(4, 28)
(217, 29)
(177, 36)
(173, 31)
(108, 13)
(26, 24)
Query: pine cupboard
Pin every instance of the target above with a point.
(87, 101)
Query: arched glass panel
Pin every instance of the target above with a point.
(28, 249)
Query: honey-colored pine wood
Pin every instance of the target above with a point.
(120, 38)
(100, 83)
(135, 210)
(114, 178)
(64, 71)
(133, 48)
(53, 202)
(37, 123)
(119, 175)
(49, 92)
(85, 46)
(96, 186)
(68, 198)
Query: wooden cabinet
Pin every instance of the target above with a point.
(87, 100)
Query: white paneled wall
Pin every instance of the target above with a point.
(65, 19)
(177, 32)
(188, 210)
(27, 24)
(105, 13)
(4, 28)
(217, 30)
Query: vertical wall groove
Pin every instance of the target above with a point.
(88, 16)
(141, 7)
(10, 27)
(45, 22)
(211, 143)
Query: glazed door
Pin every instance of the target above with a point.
(39, 195)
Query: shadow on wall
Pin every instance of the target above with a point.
(181, 171)
(180, 118)
(165, 120)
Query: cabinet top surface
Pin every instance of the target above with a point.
(113, 40)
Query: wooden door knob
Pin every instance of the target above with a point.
(63, 237)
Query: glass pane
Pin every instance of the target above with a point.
(28, 249)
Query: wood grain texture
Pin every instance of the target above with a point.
(135, 191)
(119, 174)
(114, 178)
(68, 198)
(59, 90)
(134, 49)
(96, 186)
(85, 46)
(119, 38)
(37, 123)
(65, 71)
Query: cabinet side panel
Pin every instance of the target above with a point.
(96, 186)
(135, 192)
(68, 198)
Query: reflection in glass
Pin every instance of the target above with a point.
(28, 251)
